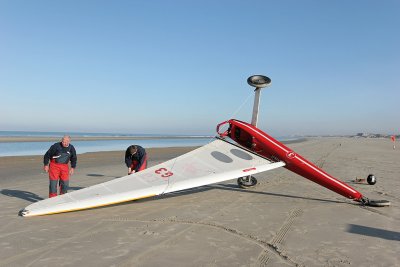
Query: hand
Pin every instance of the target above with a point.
(71, 171)
(46, 168)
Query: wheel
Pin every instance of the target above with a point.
(245, 182)
(371, 179)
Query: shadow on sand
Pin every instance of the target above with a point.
(74, 188)
(374, 232)
(29, 196)
(101, 175)
(233, 187)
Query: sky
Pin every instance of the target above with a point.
(181, 67)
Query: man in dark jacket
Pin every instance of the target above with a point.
(135, 159)
(56, 162)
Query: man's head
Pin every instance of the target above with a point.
(132, 150)
(65, 140)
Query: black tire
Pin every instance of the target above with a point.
(371, 179)
(243, 183)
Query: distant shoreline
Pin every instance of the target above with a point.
(294, 141)
(18, 139)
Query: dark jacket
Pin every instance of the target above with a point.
(139, 156)
(61, 154)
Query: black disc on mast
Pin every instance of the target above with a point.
(259, 81)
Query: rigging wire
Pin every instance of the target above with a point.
(236, 112)
(232, 116)
(241, 106)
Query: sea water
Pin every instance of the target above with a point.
(40, 148)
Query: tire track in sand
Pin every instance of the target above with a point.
(276, 243)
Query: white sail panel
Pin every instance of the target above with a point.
(215, 162)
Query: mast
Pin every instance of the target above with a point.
(259, 82)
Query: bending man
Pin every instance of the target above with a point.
(56, 162)
(135, 159)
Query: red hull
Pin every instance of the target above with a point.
(256, 140)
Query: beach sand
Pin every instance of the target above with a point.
(285, 220)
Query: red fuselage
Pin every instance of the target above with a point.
(261, 143)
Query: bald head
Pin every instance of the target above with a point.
(65, 140)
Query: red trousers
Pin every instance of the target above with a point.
(59, 177)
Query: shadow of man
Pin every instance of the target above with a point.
(29, 196)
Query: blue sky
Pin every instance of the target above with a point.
(180, 67)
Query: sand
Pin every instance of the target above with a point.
(284, 221)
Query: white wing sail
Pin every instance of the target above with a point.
(215, 162)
